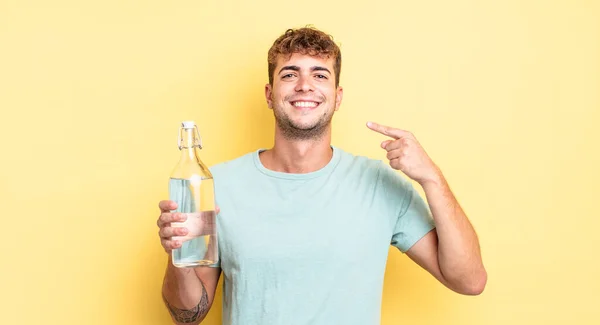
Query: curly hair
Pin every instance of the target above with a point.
(306, 40)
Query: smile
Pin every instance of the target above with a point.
(305, 104)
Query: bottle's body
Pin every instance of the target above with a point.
(191, 187)
(195, 200)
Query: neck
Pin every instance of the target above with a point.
(298, 156)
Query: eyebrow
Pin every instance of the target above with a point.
(297, 68)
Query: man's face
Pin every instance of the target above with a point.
(303, 95)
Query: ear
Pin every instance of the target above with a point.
(338, 97)
(268, 92)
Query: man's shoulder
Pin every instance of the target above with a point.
(375, 170)
(239, 164)
(359, 161)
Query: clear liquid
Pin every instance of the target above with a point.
(195, 198)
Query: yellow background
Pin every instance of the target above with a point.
(503, 95)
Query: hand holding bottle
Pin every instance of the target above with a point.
(186, 225)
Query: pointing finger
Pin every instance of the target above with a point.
(386, 130)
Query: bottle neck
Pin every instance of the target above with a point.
(188, 142)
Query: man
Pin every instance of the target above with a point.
(305, 227)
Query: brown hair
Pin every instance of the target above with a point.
(306, 40)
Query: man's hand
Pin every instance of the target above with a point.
(406, 154)
(175, 228)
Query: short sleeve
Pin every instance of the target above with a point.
(413, 219)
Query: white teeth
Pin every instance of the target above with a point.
(305, 104)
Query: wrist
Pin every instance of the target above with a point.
(435, 179)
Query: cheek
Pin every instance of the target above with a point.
(328, 91)
(278, 94)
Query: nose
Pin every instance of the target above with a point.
(304, 84)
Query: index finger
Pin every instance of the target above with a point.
(167, 205)
(386, 130)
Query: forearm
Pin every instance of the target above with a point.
(459, 255)
(184, 295)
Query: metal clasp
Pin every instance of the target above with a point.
(180, 140)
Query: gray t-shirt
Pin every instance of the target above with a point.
(311, 249)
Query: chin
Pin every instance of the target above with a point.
(306, 126)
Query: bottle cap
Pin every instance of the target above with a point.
(188, 124)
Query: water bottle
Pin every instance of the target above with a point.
(191, 186)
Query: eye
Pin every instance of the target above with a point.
(286, 76)
(321, 76)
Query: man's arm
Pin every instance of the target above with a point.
(450, 252)
(189, 293)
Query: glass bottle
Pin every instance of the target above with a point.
(191, 186)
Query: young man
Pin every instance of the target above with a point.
(305, 227)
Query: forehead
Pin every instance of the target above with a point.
(304, 61)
